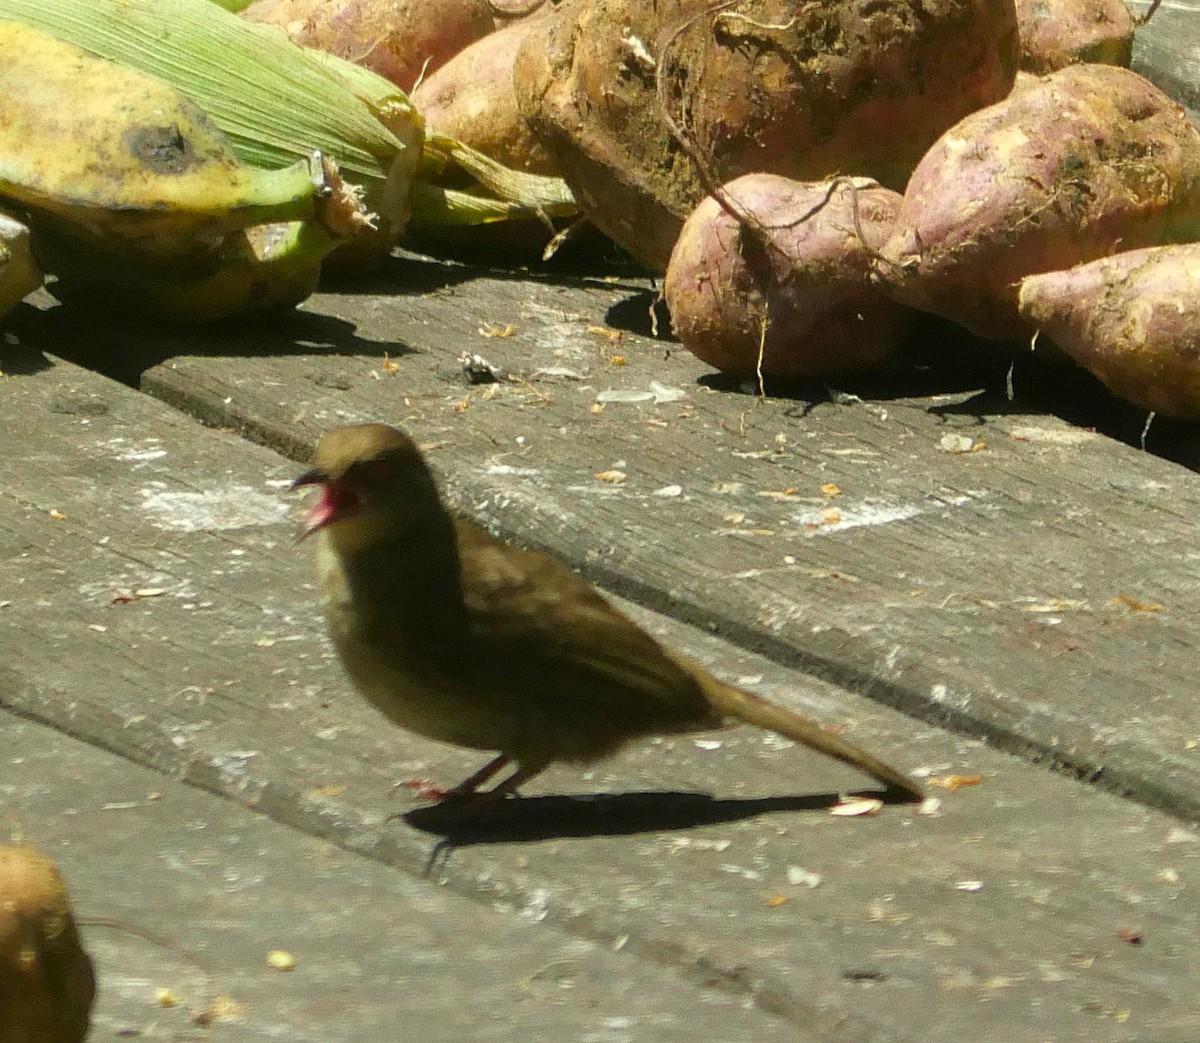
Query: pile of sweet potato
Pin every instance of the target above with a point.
(809, 176)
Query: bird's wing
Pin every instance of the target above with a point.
(525, 600)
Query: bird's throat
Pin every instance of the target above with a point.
(404, 589)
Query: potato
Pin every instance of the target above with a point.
(813, 287)
(1065, 170)
(47, 984)
(471, 98)
(1132, 319)
(801, 90)
(1058, 33)
(395, 38)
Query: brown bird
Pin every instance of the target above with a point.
(459, 637)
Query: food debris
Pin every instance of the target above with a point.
(389, 366)
(1055, 605)
(855, 806)
(1128, 934)
(494, 330)
(617, 360)
(221, 1008)
(953, 783)
(604, 331)
(165, 998)
(57, 515)
(961, 444)
(788, 495)
(125, 597)
(1136, 605)
(479, 370)
(775, 901)
(831, 489)
(798, 876)
(663, 394)
(612, 477)
(879, 912)
(280, 960)
(1167, 876)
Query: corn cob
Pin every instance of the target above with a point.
(260, 269)
(91, 149)
(277, 101)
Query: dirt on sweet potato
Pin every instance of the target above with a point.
(1132, 319)
(1058, 33)
(646, 106)
(1067, 169)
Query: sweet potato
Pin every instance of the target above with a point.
(627, 95)
(1058, 33)
(471, 98)
(1132, 319)
(395, 38)
(47, 984)
(811, 285)
(1067, 169)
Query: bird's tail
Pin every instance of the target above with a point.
(734, 702)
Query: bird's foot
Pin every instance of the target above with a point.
(427, 789)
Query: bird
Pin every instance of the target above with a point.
(458, 636)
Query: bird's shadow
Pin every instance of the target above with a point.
(528, 819)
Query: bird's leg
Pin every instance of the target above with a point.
(525, 771)
(471, 783)
(470, 802)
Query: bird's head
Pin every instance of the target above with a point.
(374, 486)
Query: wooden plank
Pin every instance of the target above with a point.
(1006, 918)
(1166, 49)
(374, 948)
(1040, 592)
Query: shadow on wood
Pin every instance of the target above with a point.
(600, 815)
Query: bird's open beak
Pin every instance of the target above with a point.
(336, 501)
(322, 511)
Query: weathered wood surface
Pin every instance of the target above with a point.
(380, 955)
(1041, 590)
(1167, 48)
(1007, 918)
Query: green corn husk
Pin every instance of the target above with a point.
(114, 160)
(518, 194)
(277, 101)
